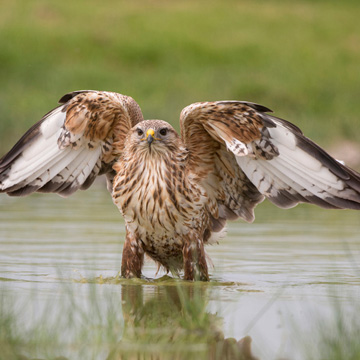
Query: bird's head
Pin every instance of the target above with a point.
(153, 136)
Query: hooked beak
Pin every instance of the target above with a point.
(150, 136)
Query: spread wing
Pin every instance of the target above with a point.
(241, 154)
(70, 145)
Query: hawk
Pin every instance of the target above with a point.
(176, 192)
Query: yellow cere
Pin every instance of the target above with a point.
(150, 132)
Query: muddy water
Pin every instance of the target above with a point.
(279, 280)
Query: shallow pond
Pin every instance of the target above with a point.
(282, 280)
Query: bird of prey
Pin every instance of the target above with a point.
(176, 192)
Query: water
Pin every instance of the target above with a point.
(278, 280)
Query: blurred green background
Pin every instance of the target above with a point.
(300, 58)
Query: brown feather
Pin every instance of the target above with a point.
(204, 129)
(92, 125)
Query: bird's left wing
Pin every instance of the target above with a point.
(265, 155)
(70, 145)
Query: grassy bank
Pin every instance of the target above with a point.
(299, 58)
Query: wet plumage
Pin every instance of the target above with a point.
(176, 192)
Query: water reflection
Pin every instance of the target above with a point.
(134, 319)
(173, 322)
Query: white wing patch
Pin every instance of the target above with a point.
(43, 166)
(237, 147)
(49, 128)
(299, 173)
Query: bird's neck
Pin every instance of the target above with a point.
(150, 171)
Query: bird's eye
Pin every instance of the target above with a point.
(139, 132)
(163, 131)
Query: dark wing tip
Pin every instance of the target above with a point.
(65, 98)
(285, 123)
(258, 107)
(22, 191)
(253, 105)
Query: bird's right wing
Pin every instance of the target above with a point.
(240, 154)
(70, 145)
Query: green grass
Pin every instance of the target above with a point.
(298, 58)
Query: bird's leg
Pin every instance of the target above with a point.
(132, 257)
(195, 267)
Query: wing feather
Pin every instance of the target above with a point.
(208, 130)
(268, 157)
(302, 168)
(70, 145)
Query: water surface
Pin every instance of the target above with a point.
(275, 280)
